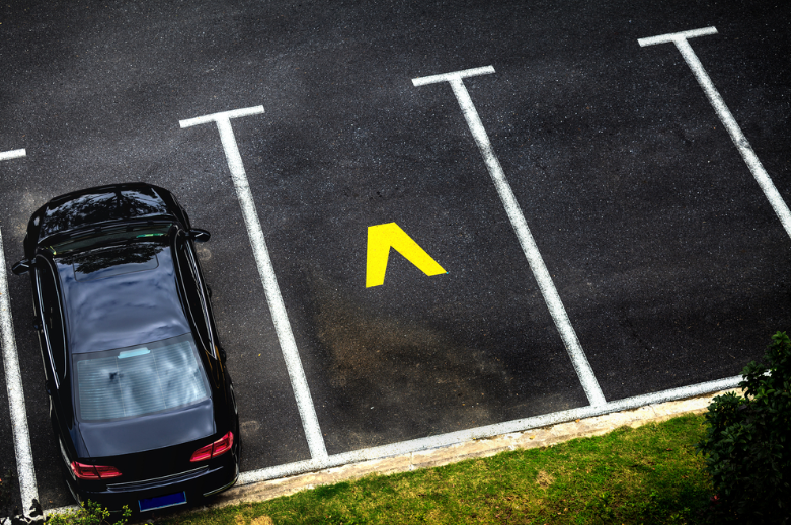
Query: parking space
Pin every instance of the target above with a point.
(663, 260)
(666, 251)
(15, 454)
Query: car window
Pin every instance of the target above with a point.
(191, 284)
(139, 380)
(52, 318)
(205, 306)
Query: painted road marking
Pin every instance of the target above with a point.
(385, 236)
(274, 299)
(680, 40)
(589, 382)
(462, 436)
(519, 425)
(13, 154)
(28, 486)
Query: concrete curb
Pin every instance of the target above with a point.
(534, 438)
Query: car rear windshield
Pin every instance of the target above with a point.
(139, 380)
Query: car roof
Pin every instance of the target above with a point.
(131, 301)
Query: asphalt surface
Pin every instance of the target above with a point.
(671, 264)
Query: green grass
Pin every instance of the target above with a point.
(646, 475)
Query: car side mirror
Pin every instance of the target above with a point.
(22, 266)
(199, 235)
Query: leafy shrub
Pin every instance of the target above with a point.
(748, 442)
(89, 513)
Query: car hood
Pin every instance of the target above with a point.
(155, 431)
(99, 207)
(104, 205)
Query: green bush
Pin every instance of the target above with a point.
(748, 442)
(89, 513)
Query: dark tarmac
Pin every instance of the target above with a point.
(669, 260)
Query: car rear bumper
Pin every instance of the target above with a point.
(195, 484)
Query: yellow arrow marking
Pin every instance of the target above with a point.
(385, 236)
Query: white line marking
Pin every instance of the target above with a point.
(672, 37)
(462, 436)
(750, 158)
(223, 115)
(450, 77)
(520, 425)
(274, 299)
(13, 154)
(580, 363)
(28, 487)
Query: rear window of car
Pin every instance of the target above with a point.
(140, 380)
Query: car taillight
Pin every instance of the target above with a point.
(223, 445)
(83, 471)
(107, 472)
(219, 447)
(202, 453)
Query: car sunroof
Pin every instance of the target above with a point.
(116, 260)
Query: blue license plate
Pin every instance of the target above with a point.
(171, 500)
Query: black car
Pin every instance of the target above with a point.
(140, 399)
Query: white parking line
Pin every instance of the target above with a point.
(750, 158)
(556, 309)
(13, 154)
(520, 425)
(274, 299)
(462, 436)
(28, 487)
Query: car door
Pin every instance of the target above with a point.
(197, 304)
(52, 337)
